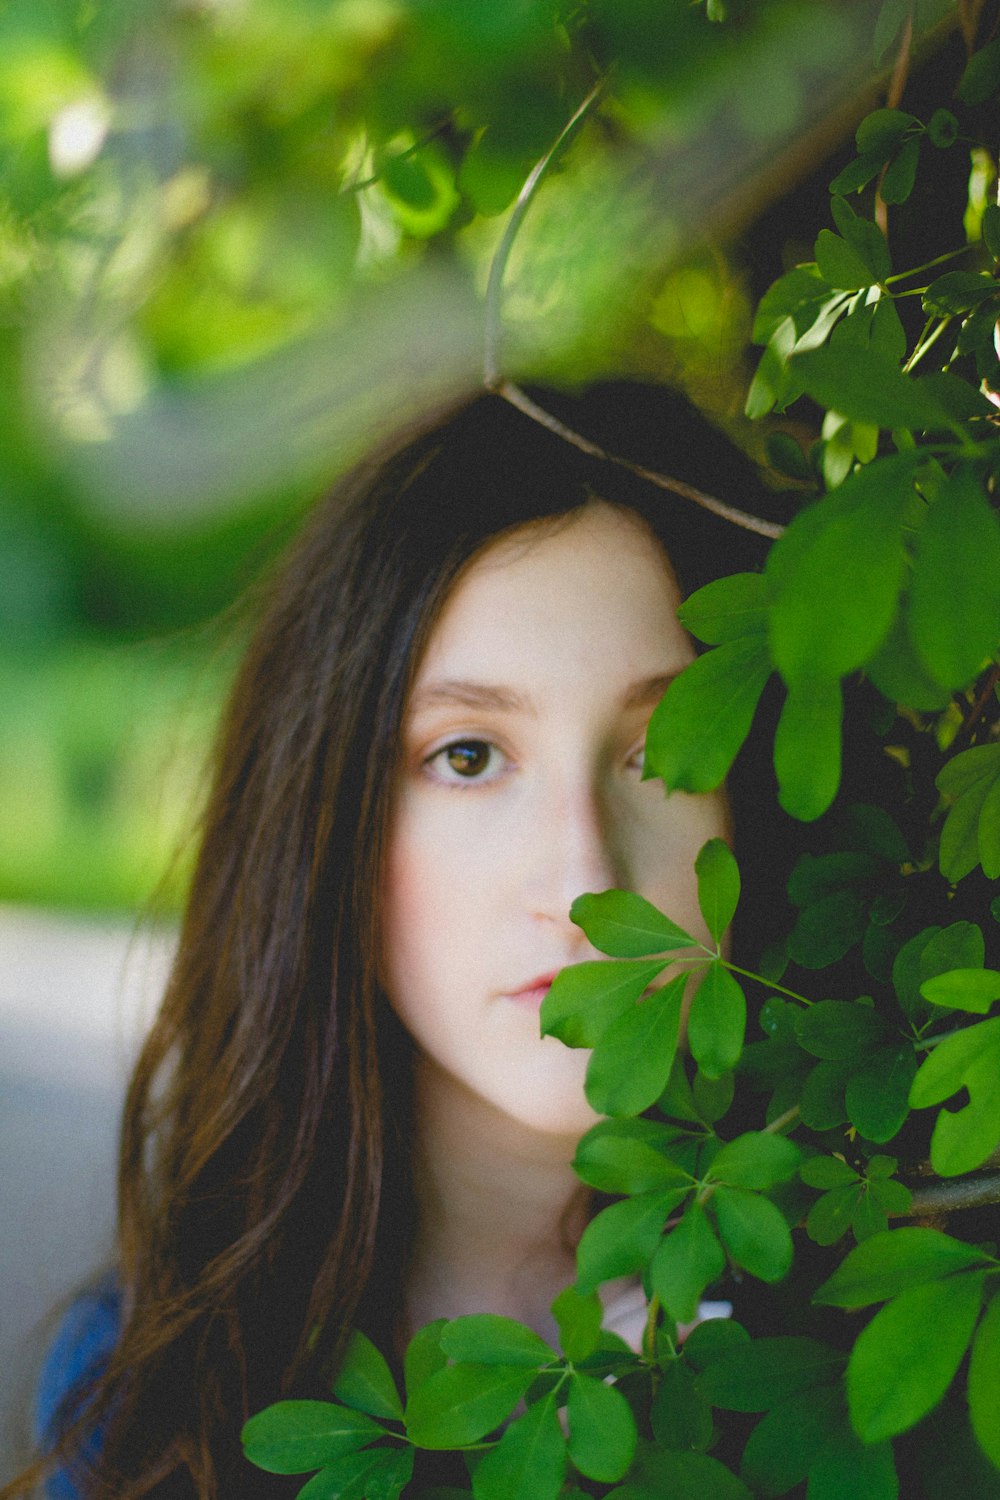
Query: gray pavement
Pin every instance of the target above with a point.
(75, 996)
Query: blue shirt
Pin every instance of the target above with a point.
(80, 1351)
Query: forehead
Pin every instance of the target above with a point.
(595, 591)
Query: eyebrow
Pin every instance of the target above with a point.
(487, 696)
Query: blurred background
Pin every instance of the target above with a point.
(239, 240)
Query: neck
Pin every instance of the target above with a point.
(500, 1210)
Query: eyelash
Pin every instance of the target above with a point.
(472, 741)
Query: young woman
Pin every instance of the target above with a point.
(344, 1115)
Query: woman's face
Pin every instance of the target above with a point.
(520, 789)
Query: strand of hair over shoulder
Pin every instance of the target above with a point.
(498, 383)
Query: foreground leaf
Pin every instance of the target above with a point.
(584, 999)
(689, 1258)
(625, 925)
(718, 885)
(622, 1238)
(754, 1232)
(905, 1359)
(530, 1458)
(703, 719)
(717, 1021)
(631, 1061)
(894, 1261)
(602, 1430)
(292, 1437)
(365, 1381)
(462, 1403)
(984, 1383)
(489, 1339)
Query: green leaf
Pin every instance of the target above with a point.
(681, 1476)
(625, 925)
(713, 1339)
(964, 989)
(828, 929)
(990, 228)
(858, 173)
(679, 1414)
(864, 237)
(837, 572)
(954, 611)
(489, 1339)
(757, 1159)
(897, 184)
(850, 1470)
(981, 78)
(622, 1238)
(424, 1355)
(626, 1156)
(989, 832)
(602, 1431)
(839, 1030)
(840, 264)
(769, 1371)
(585, 998)
(814, 876)
(365, 1381)
(942, 129)
(899, 674)
(717, 1021)
(984, 1383)
(705, 715)
(718, 885)
(822, 1098)
(868, 386)
(390, 1474)
(963, 1139)
(688, 1259)
(883, 129)
(827, 1172)
(893, 1262)
(631, 1060)
(963, 771)
(958, 292)
(958, 853)
(530, 1458)
(799, 295)
(785, 455)
(292, 1437)
(877, 1096)
(807, 747)
(905, 1359)
(461, 1403)
(351, 1476)
(579, 1321)
(754, 1232)
(832, 1215)
(786, 1443)
(713, 1096)
(728, 609)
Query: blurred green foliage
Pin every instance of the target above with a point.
(238, 238)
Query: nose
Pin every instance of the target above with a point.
(578, 847)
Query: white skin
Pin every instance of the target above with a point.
(520, 788)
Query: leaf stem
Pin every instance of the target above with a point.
(927, 266)
(782, 1120)
(923, 344)
(770, 984)
(649, 1332)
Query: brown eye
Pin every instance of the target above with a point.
(467, 758)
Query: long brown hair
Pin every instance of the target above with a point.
(264, 1194)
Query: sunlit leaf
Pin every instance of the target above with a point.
(602, 1430)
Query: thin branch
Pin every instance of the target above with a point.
(519, 398)
(494, 289)
(950, 1197)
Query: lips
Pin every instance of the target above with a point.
(534, 992)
